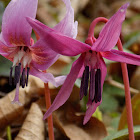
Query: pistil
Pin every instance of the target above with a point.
(92, 85)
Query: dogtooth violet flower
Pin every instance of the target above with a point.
(17, 45)
(90, 64)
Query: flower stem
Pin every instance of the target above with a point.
(125, 77)
(127, 96)
(48, 104)
(50, 119)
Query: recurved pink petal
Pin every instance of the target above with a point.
(110, 33)
(92, 107)
(15, 28)
(43, 61)
(56, 41)
(65, 45)
(116, 55)
(67, 26)
(48, 77)
(66, 89)
(39, 27)
(42, 56)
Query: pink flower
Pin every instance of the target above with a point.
(17, 45)
(90, 61)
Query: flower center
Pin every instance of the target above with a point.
(91, 73)
(21, 62)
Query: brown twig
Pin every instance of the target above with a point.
(121, 86)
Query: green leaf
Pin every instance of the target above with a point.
(112, 90)
(132, 40)
(5, 2)
(5, 65)
(109, 103)
(135, 101)
(123, 134)
(78, 83)
(98, 114)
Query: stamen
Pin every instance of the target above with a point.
(26, 60)
(86, 78)
(15, 59)
(10, 78)
(17, 73)
(82, 87)
(23, 78)
(84, 82)
(92, 85)
(98, 86)
(21, 53)
(28, 69)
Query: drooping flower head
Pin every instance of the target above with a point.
(90, 64)
(17, 45)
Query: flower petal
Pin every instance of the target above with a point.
(116, 55)
(59, 43)
(1, 38)
(110, 33)
(67, 26)
(42, 56)
(66, 89)
(43, 61)
(65, 45)
(6, 50)
(92, 107)
(103, 70)
(15, 28)
(48, 77)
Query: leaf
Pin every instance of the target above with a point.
(78, 83)
(60, 65)
(33, 126)
(5, 65)
(98, 114)
(123, 134)
(132, 40)
(109, 103)
(112, 90)
(70, 123)
(135, 111)
(1, 11)
(8, 111)
(5, 2)
(135, 80)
